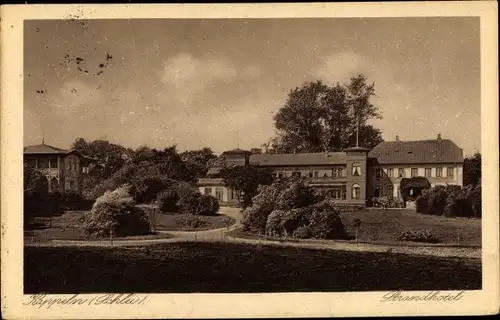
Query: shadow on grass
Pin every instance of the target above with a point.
(229, 267)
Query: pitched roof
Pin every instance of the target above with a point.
(43, 149)
(422, 151)
(297, 159)
(236, 151)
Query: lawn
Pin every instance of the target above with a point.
(226, 267)
(379, 225)
(189, 222)
(68, 226)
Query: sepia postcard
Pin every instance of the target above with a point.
(249, 160)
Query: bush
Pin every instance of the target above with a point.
(167, 201)
(115, 213)
(284, 223)
(418, 236)
(71, 200)
(387, 202)
(451, 201)
(255, 218)
(459, 204)
(198, 204)
(284, 207)
(325, 222)
(422, 202)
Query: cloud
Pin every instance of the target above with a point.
(185, 71)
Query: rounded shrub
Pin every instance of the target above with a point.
(458, 205)
(325, 222)
(115, 213)
(255, 218)
(274, 224)
(196, 203)
(167, 201)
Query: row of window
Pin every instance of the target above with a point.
(335, 172)
(335, 193)
(414, 172)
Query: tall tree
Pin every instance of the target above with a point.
(198, 161)
(472, 169)
(317, 117)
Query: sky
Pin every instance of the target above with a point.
(217, 82)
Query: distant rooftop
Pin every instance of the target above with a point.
(421, 151)
(44, 149)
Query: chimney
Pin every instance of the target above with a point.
(397, 138)
(439, 137)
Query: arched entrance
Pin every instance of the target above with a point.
(411, 188)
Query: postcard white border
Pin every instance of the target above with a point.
(485, 301)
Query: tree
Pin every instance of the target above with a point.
(198, 161)
(472, 170)
(110, 156)
(317, 117)
(245, 180)
(34, 181)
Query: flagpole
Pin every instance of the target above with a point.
(357, 131)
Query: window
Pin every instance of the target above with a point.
(390, 172)
(336, 193)
(377, 191)
(390, 191)
(378, 173)
(356, 169)
(439, 172)
(310, 174)
(427, 172)
(401, 173)
(356, 191)
(340, 172)
(334, 172)
(414, 172)
(316, 174)
(218, 193)
(208, 191)
(72, 185)
(449, 172)
(399, 192)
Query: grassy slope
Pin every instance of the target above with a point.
(219, 267)
(68, 227)
(386, 225)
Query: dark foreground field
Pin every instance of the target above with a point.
(223, 267)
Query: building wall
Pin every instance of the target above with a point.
(65, 170)
(385, 180)
(315, 172)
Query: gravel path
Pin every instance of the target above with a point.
(220, 235)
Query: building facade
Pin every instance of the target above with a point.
(65, 170)
(440, 161)
(355, 175)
